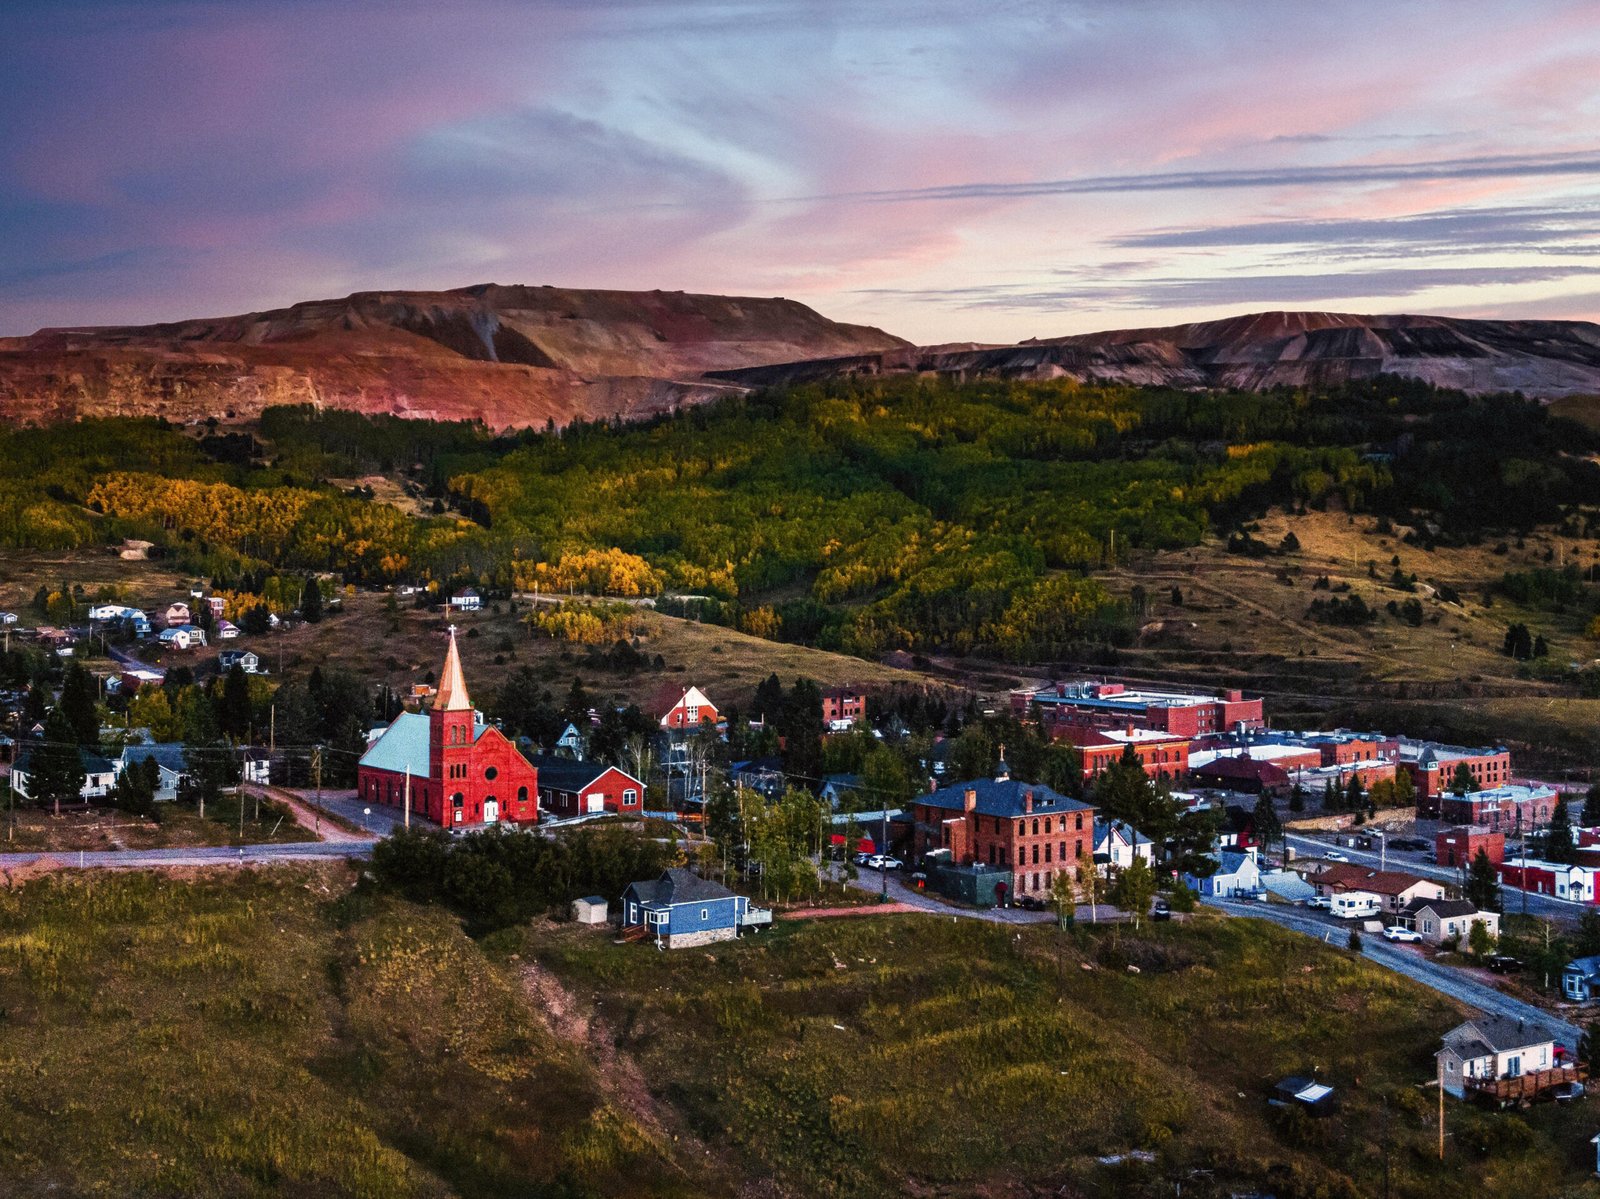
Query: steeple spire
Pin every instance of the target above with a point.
(452, 696)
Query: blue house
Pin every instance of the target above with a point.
(1580, 981)
(681, 909)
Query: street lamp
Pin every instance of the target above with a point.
(366, 812)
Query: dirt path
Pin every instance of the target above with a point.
(619, 1073)
(308, 818)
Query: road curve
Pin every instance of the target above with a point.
(1452, 983)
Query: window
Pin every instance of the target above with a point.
(1047, 851)
(1080, 823)
(630, 797)
(522, 795)
(1035, 855)
(457, 799)
(694, 713)
(1078, 849)
(705, 913)
(1036, 826)
(1063, 851)
(491, 773)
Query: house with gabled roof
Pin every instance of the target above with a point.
(680, 910)
(572, 787)
(172, 765)
(1503, 1059)
(1393, 888)
(679, 708)
(1238, 875)
(1440, 920)
(99, 774)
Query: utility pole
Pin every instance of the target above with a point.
(239, 794)
(1441, 1108)
(1522, 840)
(408, 794)
(316, 772)
(272, 729)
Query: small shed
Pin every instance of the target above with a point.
(591, 909)
(1317, 1099)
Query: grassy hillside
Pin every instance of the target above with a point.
(847, 1058)
(276, 1034)
(257, 1035)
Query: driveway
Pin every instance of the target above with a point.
(377, 820)
(1456, 984)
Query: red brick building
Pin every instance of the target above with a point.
(1115, 705)
(1162, 755)
(460, 771)
(1433, 767)
(1503, 809)
(842, 707)
(572, 788)
(1027, 828)
(1460, 846)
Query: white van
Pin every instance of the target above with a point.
(1355, 905)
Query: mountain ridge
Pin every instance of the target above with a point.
(1256, 351)
(509, 355)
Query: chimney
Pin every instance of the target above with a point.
(1027, 801)
(969, 801)
(933, 784)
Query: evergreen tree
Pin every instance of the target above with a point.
(802, 731)
(79, 705)
(1268, 828)
(769, 700)
(1332, 797)
(56, 767)
(311, 601)
(1558, 843)
(135, 789)
(1483, 884)
(257, 621)
(1591, 807)
(1480, 940)
(1462, 782)
(1353, 795)
(1297, 798)
(233, 712)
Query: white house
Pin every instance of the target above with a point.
(1117, 843)
(8, 618)
(108, 612)
(1491, 1049)
(257, 767)
(1440, 920)
(247, 661)
(467, 601)
(98, 774)
(179, 637)
(227, 630)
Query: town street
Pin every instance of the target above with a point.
(209, 855)
(1546, 906)
(1455, 984)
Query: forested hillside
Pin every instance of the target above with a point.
(864, 515)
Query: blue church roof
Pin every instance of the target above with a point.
(403, 748)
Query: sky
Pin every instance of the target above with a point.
(947, 171)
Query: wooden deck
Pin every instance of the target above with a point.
(1525, 1087)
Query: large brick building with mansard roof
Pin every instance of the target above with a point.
(460, 771)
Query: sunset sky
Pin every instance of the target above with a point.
(949, 171)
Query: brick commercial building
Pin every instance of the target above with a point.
(1162, 755)
(1460, 846)
(842, 707)
(1027, 828)
(1433, 768)
(1115, 705)
(1501, 809)
(460, 771)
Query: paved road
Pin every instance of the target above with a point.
(199, 856)
(870, 880)
(1402, 959)
(1546, 906)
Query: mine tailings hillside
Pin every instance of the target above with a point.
(510, 356)
(1545, 359)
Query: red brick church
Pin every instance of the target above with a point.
(461, 771)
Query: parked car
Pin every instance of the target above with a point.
(879, 861)
(1566, 1092)
(1031, 903)
(1320, 902)
(1333, 855)
(1503, 963)
(862, 858)
(1160, 909)
(1411, 844)
(1396, 932)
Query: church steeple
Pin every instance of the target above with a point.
(452, 695)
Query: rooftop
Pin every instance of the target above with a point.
(1006, 799)
(678, 885)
